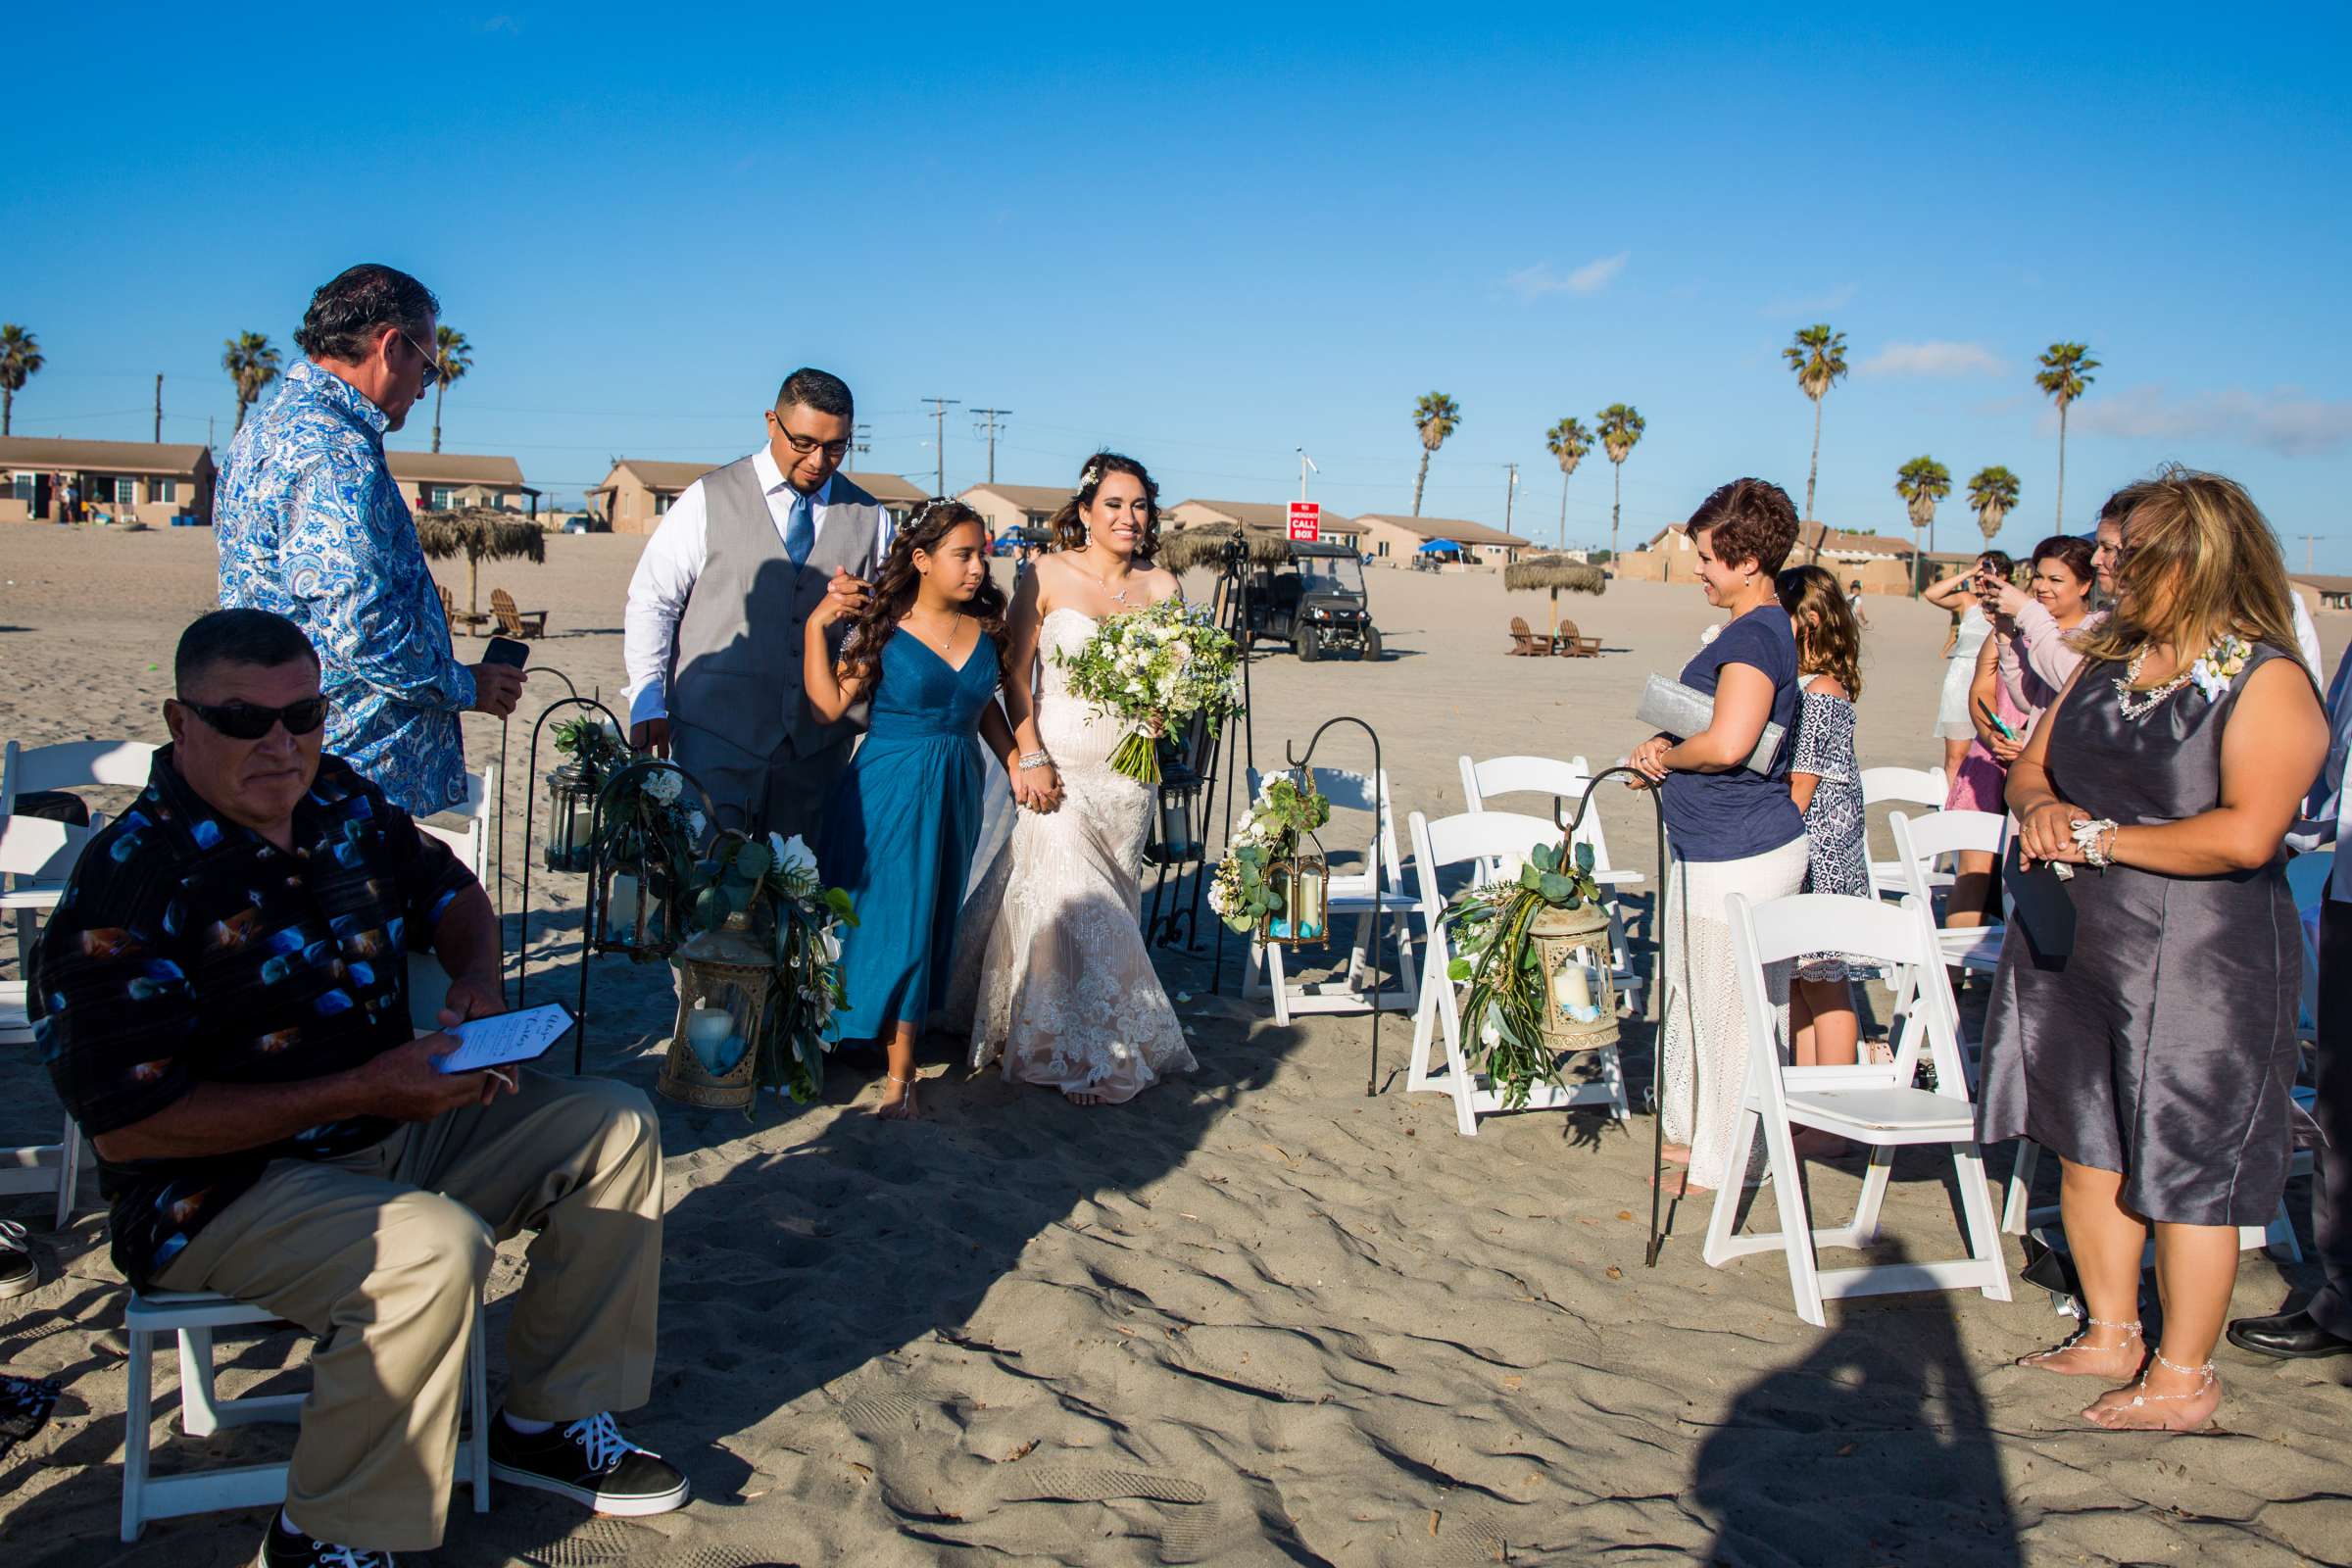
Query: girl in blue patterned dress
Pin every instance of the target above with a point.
(1825, 779)
(926, 646)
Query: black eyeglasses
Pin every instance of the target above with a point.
(432, 374)
(804, 445)
(246, 722)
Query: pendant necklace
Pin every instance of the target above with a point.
(2138, 704)
(1118, 595)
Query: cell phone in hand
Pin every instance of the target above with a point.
(509, 650)
(1999, 724)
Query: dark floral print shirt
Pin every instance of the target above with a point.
(188, 950)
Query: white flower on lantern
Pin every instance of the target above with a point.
(828, 942)
(792, 853)
(664, 785)
(696, 822)
(1488, 1035)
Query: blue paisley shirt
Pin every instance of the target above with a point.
(187, 950)
(311, 524)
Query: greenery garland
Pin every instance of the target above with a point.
(1496, 954)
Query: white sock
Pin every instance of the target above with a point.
(528, 1428)
(287, 1525)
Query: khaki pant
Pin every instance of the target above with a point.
(386, 1251)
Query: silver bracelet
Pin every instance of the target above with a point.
(2087, 838)
(1032, 760)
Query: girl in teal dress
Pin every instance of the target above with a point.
(925, 647)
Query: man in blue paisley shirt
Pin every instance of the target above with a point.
(311, 525)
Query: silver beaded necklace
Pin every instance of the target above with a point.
(2137, 705)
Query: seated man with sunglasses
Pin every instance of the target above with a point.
(223, 992)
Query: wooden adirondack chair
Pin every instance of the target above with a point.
(1526, 642)
(1572, 646)
(517, 622)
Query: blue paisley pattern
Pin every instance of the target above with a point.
(312, 525)
(187, 950)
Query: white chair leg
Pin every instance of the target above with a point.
(1796, 1218)
(1278, 977)
(199, 1404)
(1408, 975)
(1718, 1250)
(1254, 971)
(1976, 1211)
(2016, 1214)
(138, 1421)
(1612, 1073)
(1874, 1193)
(1458, 1078)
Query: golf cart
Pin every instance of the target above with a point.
(1315, 601)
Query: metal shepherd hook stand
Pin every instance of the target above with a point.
(523, 932)
(1207, 752)
(1371, 946)
(1657, 1039)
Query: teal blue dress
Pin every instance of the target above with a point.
(899, 830)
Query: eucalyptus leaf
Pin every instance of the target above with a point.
(1555, 887)
(1584, 859)
(1458, 971)
(753, 859)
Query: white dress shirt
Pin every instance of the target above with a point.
(2327, 815)
(2307, 639)
(673, 561)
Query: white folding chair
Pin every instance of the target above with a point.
(1919, 842)
(1479, 840)
(193, 1315)
(68, 765)
(1869, 1102)
(1568, 782)
(1907, 786)
(36, 857)
(1377, 899)
(428, 981)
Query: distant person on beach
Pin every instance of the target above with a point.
(1732, 829)
(720, 599)
(1958, 593)
(1853, 603)
(311, 525)
(226, 1013)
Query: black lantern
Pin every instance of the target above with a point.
(570, 816)
(1173, 841)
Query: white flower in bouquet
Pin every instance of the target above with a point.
(664, 785)
(792, 853)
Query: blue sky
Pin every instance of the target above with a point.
(1211, 238)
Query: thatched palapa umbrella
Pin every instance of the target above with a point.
(1182, 549)
(1558, 574)
(478, 533)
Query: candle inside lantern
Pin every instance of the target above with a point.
(710, 1033)
(1572, 989)
(625, 918)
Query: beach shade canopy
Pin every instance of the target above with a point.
(1558, 574)
(1182, 549)
(478, 533)
(1437, 547)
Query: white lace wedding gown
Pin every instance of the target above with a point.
(1066, 990)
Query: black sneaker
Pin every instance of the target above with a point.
(25, 1406)
(20, 1275)
(285, 1548)
(590, 1462)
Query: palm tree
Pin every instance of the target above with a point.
(252, 365)
(1619, 428)
(1567, 441)
(20, 358)
(457, 358)
(1922, 482)
(2065, 372)
(1435, 416)
(1992, 492)
(1818, 357)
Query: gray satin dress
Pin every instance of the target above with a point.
(2164, 1044)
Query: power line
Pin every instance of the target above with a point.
(939, 416)
(984, 420)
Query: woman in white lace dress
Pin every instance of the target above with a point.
(1066, 993)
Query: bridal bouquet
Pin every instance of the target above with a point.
(1155, 669)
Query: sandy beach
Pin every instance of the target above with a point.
(1256, 1317)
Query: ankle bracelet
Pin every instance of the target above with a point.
(2131, 1327)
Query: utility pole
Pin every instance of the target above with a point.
(1510, 496)
(158, 408)
(939, 418)
(863, 437)
(984, 425)
(1306, 465)
(2309, 540)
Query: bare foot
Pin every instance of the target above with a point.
(898, 1099)
(1676, 1154)
(2098, 1349)
(2168, 1398)
(1083, 1096)
(1678, 1183)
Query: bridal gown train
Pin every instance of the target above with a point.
(1066, 990)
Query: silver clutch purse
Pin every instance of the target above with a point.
(1673, 708)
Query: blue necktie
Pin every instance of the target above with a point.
(800, 529)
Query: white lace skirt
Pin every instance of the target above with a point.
(1703, 1054)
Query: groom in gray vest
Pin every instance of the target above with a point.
(719, 605)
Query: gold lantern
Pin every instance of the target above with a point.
(726, 996)
(634, 913)
(1301, 880)
(1578, 964)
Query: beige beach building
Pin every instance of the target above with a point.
(122, 481)
(438, 481)
(638, 493)
(1262, 517)
(1394, 540)
(1881, 562)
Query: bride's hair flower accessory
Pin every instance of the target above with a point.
(1086, 481)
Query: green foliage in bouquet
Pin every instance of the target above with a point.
(1495, 954)
(1156, 669)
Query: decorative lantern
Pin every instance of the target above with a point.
(1577, 966)
(1173, 842)
(1301, 880)
(634, 913)
(726, 995)
(570, 816)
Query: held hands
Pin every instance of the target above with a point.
(1037, 789)
(844, 597)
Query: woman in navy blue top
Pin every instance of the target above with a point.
(1731, 830)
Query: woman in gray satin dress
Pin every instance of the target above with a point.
(2156, 1057)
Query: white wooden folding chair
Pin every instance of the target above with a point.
(1566, 782)
(428, 981)
(1479, 840)
(1375, 896)
(192, 1316)
(36, 857)
(1919, 844)
(67, 765)
(1905, 786)
(1869, 1102)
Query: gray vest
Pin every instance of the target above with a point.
(736, 669)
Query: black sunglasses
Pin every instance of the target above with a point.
(245, 721)
(432, 366)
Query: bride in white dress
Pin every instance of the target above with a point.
(1067, 994)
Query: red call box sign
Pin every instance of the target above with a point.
(1306, 520)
